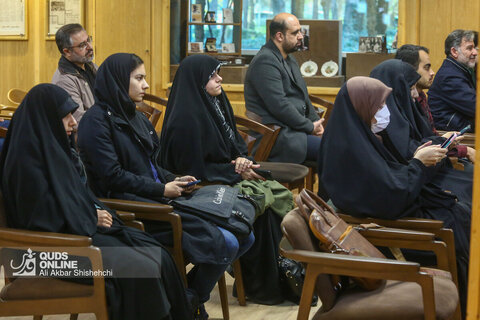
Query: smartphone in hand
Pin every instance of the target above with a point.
(192, 183)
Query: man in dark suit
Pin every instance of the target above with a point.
(276, 92)
(452, 96)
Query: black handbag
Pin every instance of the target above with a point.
(292, 275)
(223, 205)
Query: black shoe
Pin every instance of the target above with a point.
(200, 313)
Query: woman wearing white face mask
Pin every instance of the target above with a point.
(365, 175)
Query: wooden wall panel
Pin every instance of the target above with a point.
(123, 26)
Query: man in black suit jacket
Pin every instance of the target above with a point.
(276, 92)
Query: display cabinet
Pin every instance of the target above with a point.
(214, 30)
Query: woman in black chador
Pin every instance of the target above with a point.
(121, 152)
(408, 128)
(44, 187)
(199, 137)
(364, 174)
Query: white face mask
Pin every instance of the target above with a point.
(383, 119)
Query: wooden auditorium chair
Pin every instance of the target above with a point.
(16, 96)
(410, 292)
(38, 296)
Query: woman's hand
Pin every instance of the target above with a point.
(249, 174)
(471, 154)
(318, 127)
(104, 218)
(187, 179)
(242, 164)
(174, 188)
(430, 155)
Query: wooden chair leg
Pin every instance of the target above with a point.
(222, 288)
(310, 179)
(37, 317)
(237, 272)
(74, 316)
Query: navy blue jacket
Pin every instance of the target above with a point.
(452, 97)
(116, 163)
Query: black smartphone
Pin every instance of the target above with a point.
(192, 183)
(464, 130)
(267, 174)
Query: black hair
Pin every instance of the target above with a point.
(63, 35)
(277, 25)
(454, 39)
(136, 61)
(409, 53)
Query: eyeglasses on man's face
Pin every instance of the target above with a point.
(84, 44)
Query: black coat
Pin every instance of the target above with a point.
(452, 97)
(278, 94)
(117, 163)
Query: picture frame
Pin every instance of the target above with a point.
(211, 45)
(227, 15)
(195, 47)
(14, 15)
(371, 44)
(62, 12)
(210, 17)
(196, 12)
(228, 47)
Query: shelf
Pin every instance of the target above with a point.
(213, 24)
(215, 53)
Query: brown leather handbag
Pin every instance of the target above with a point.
(335, 235)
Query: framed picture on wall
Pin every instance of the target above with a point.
(13, 20)
(62, 12)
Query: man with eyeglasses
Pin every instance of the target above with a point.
(76, 72)
(452, 95)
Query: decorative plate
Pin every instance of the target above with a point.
(329, 69)
(309, 68)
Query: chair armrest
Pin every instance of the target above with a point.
(355, 266)
(126, 216)
(137, 206)
(19, 237)
(403, 223)
(396, 234)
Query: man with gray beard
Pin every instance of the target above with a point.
(452, 96)
(76, 72)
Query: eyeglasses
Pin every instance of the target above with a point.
(83, 44)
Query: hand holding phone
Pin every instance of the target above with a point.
(192, 183)
(447, 142)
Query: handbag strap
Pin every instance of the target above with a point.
(312, 201)
(301, 208)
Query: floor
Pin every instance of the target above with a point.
(285, 311)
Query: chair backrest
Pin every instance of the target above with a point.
(324, 104)
(269, 135)
(298, 233)
(152, 112)
(16, 96)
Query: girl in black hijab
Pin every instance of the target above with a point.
(200, 137)
(364, 174)
(44, 187)
(408, 128)
(121, 152)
